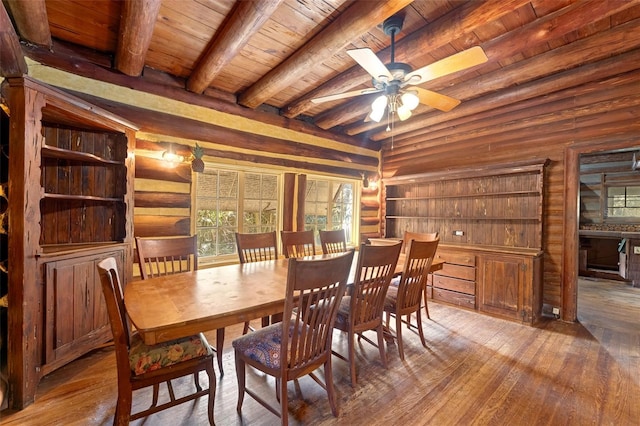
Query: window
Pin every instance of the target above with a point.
(224, 196)
(329, 204)
(623, 202)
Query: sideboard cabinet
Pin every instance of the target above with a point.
(489, 220)
(70, 196)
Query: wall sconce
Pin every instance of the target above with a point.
(365, 180)
(369, 183)
(171, 156)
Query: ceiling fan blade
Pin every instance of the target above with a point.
(436, 100)
(371, 63)
(457, 62)
(344, 95)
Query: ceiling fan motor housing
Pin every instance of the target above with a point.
(398, 71)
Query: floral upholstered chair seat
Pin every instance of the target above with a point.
(144, 358)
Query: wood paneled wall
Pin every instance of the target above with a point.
(596, 116)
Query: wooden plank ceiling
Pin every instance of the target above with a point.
(275, 56)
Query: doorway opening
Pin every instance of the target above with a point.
(609, 238)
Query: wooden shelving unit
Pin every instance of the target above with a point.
(70, 206)
(490, 226)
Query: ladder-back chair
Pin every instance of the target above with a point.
(404, 300)
(333, 241)
(255, 248)
(298, 243)
(420, 236)
(171, 255)
(301, 343)
(139, 365)
(362, 309)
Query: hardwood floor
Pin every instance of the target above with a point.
(476, 370)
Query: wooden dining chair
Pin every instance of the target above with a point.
(404, 300)
(255, 248)
(298, 243)
(361, 310)
(167, 256)
(301, 343)
(172, 255)
(139, 365)
(333, 241)
(419, 236)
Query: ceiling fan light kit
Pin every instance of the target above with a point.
(397, 81)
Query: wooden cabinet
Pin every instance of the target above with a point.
(75, 313)
(497, 281)
(490, 224)
(70, 204)
(510, 286)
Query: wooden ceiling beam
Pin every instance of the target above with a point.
(31, 21)
(353, 22)
(12, 63)
(586, 50)
(454, 24)
(591, 103)
(136, 28)
(556, 102)
(243, 22)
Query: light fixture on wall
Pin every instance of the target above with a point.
(170, 156)
(369, 182)
(365, 180)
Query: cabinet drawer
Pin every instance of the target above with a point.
(455, 284)
(457, 271)
(457, 258)
(460, 299)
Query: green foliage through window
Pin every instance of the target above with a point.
(230, 201)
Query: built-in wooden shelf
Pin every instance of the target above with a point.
(472, 195)
(465, 218)
(68, 154)
(82, 198)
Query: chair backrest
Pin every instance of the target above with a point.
(416, 268)
(120, 328)
(333, 241)
(298, 243)
(384, 241)
(314, 291)
(418, 236)
(167, 256)
(257, 247)
(376, 267)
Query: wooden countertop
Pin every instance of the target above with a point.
(607, 234)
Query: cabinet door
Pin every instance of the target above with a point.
(76, 318)
(500, 285)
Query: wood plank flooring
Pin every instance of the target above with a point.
(476, 370)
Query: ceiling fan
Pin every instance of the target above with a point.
(398, 82)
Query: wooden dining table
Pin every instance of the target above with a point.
(169, 307)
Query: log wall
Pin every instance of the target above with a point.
(598, 116)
